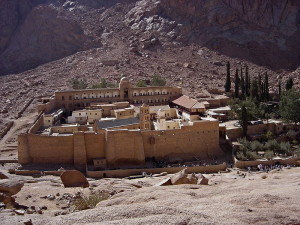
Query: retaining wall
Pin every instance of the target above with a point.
(171, 170)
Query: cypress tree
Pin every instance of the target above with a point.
(228, 82)
(236, 84)
(244, 120)
(246, 82)
(254, 90)
(266, 87)
(289, 84)
(279, 89)
(242, 83)
(259, 86)
(262, 91)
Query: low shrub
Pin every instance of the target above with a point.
(90, 201)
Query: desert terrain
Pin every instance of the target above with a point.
(234, 197)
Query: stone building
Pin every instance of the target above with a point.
(118, 136)
(78, 99)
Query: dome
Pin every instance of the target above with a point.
(124, 79)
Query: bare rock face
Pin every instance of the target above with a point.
(74, 178)
(11, 186)
(3, 176)
(183, 178)
(6, 198)
(202, 180)
(263, 31)
(31, 35)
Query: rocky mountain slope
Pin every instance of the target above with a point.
(143, 37)
(33, 32)
(265, 32)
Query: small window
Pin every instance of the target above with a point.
(63, 98)
(79, 114)
(70, 97)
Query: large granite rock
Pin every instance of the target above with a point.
(74, 178)
(11, 186)
(263, 31)
(3, 176)
(183, 178)
(32, 33)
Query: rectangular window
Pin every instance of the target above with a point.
(63, 98)
(70, 97)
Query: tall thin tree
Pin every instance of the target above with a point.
(243, 89)
(236, 84)
(259, 83)
(244, 120)
(279, 89)
(267, 95)
(228, 82)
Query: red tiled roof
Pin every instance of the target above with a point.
(187, 102)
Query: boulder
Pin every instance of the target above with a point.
(133, 49)
(3, 176)
(187, 65)
(6, 198)
(74, 178)
(11, 186)
(164, 182)
(160, 174)
(183, 178)
(202, 180)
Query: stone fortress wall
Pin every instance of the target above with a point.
(124, 147)
(121, 147)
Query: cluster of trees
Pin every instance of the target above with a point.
(79, 84)
(83, 84)
(248, 150)
(251, 93)
(257, 87)
(104, 84)
(156, 80)
(245, 86)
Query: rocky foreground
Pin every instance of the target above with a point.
(230, 198)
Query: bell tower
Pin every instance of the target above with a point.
(145, 117)
(124, 87)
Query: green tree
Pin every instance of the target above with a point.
(279, 89)
(253, 110)
(266, 91)
(158, 80)
(243, 89)
(104, 84)
(289, 106)
(246, 82)
(244, 120)
(259, 83)
(79, 84)
(236, 84)
(228, 82)
(254, 90)
(141, 83)
(289, 84)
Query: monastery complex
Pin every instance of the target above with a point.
(122, 128)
